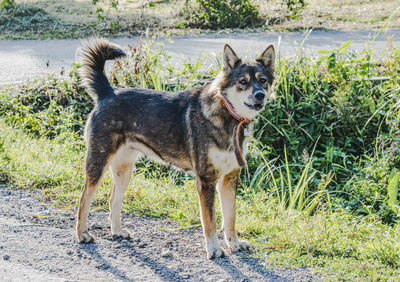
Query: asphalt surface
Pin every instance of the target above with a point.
(26, 59)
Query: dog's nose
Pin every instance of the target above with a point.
(259, 95)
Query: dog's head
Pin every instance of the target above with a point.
(247, 86)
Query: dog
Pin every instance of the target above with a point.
(197, 130)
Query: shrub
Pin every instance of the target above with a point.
(221, 14)
(294, 7)
(48, 107)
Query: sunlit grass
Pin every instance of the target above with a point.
(344, 246)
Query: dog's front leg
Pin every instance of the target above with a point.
(227, 194)
(206, 191)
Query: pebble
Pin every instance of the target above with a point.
(142, 245)
(168, 243)
(166, 253)
(104, 266)
(96, 226)
(6, 257)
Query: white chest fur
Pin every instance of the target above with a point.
(225, 161)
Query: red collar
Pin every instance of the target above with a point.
(231, 110)
(235, 136)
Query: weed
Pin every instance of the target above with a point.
(221, 14)
(295, 8)
(5, 3)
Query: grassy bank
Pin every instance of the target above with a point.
(323, 163)
(43, 19)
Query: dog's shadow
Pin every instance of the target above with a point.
(92, 251)
(159, 268)
(252, 265)
(165, 273)
(129, 255)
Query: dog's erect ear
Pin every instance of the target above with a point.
(268, 58)
(229, 58)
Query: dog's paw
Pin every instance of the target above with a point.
(213, 248)
(86, 238)
(239, 245)
(121, 234)
(215, 253)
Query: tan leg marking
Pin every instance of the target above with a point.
(208, 219)
(227, 194)
(96, 164)
(83, 211)
(122, 174)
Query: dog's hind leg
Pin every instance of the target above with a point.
(206, 191)
(121, 167)
(96, 164)
(227, 193)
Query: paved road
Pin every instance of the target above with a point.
(26, 59)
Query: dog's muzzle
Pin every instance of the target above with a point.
(259, 96)
(258, 100)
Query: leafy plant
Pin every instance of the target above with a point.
(100, 12)
(147, 65)
(393, 187)
(49, 107)
(5, 3)
(295, 7)
(221, 14)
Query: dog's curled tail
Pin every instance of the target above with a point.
(93, 56)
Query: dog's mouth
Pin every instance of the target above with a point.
(255, 106)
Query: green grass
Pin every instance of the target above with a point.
(323, 184)
(335, 243)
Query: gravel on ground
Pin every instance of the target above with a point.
(37, 243)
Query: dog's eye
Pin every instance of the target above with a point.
(262, 80)
(243, 82)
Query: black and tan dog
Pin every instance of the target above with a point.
(195, 130)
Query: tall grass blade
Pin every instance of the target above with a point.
(384, 25)
(393, 186)
(288, 175)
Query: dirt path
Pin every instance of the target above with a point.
(37, 243)
(26, 59)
